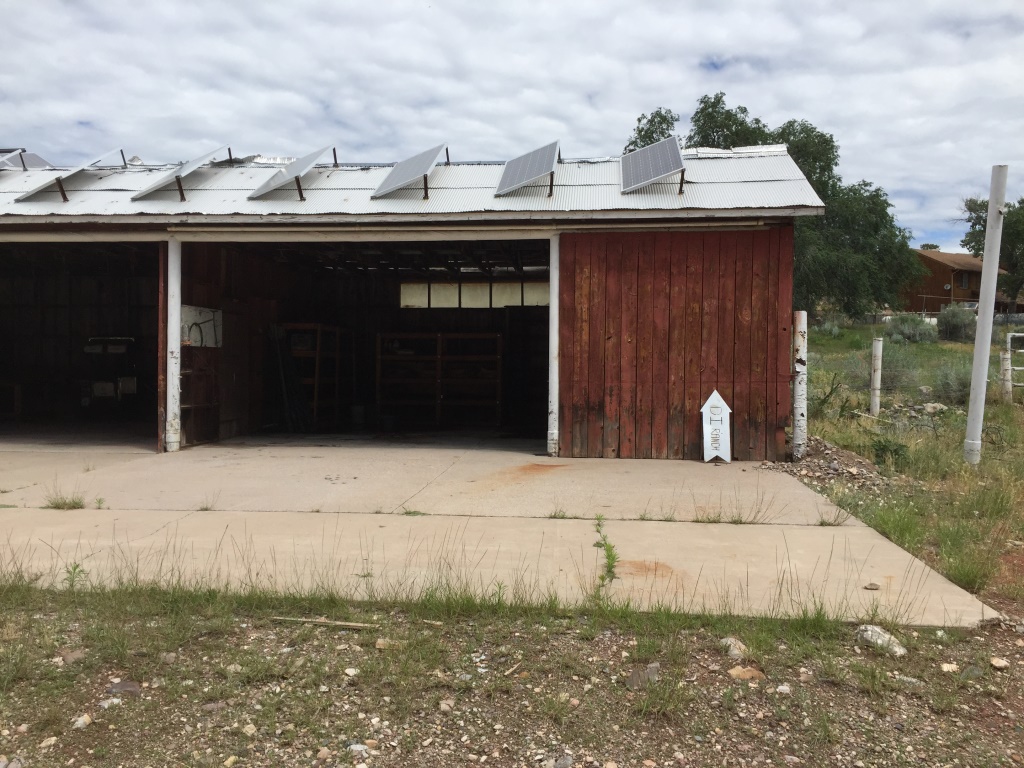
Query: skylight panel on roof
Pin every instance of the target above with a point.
(650, 164)
(528, 168)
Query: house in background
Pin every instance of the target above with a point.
(951, 278)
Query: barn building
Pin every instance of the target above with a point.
(592, 303)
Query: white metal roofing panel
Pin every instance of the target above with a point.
(181, 172)
(724, 183)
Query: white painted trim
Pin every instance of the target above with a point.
(172, 428)
(553, 271)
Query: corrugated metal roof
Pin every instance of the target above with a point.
(715, 181)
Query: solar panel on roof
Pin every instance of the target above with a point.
(526, 168)
(408, 171)
(178, 173)
(60, 178)
(650, 164)
(291, 173)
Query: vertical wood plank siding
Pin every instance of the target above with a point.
(651, 323)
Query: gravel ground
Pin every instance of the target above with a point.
(555, 690)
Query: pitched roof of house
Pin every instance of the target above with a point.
(962, 261)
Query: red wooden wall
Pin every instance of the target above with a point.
(651, 323)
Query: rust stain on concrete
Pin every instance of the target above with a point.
(644, 569)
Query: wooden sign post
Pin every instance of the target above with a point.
(717, 438)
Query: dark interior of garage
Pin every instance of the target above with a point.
(340, 337)
(78, 334)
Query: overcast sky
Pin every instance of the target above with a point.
(922, 96)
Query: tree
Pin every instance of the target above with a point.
(855, 257)
(929, 246)
(1011, 248)
(652, 128)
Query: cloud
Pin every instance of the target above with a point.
(922, 98)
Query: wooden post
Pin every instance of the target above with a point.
(800, 384)
(876, 376)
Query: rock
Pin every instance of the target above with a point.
(371, 743)
(23, 728)
(108, 703)
(447, 706)
(872, 586)
(925, 390)
(933, 408)
(735, 649)
(323, 754)
(639, 678)
(230, 761)
(950, 667)
(912, 681)
(784, 689)
(564, 761)
(214, 706)
(574, 703)
(792, 759)
(48, 742)
(125, 688)
(649, 764)
(70, 657)
(351, 671)
(168, 658)
(385, 644)
(82, 722)
(999, 663)
(972, 673)
(746, 673)
(611, 764)
(249, 730)
(233, 668)
(874, 635)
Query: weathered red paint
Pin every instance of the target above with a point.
(651, 324)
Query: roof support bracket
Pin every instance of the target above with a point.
(298, 186)
(551, 184)
(181, 189)
(426, 189)
(682, 178)
(447, 157)
(335, 151)
(60, 188)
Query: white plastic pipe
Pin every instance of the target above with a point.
(172, 427)
(1006, 375)
(799, 384)
(986, 308)
(876, 376)
(553, 348)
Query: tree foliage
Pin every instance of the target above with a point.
(929, 246)
(1011, 248)
(855, 257)
(651, 129)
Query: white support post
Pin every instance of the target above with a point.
(172, 429)
(800, 384)
(1006, 375)
(876, 376)
(986, 308)
(553, 348)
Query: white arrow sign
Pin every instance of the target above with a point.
(717, 438)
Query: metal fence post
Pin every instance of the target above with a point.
(1006, 375)
(876, 376)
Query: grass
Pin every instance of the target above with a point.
(957, 518)
(412, 512)
(56, 498)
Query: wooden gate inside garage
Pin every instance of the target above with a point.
(650, 324)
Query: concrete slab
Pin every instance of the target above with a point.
(490, 517)
(775, 570)
(456, 476)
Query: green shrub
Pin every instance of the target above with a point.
(956, 323)
(912, 328)
(953, 384)
(829, 329)
(889, 452)
(899, 369)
